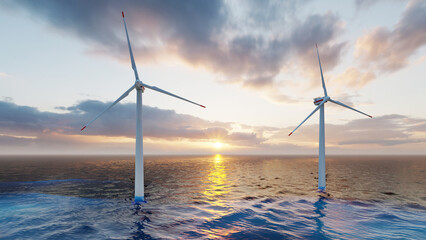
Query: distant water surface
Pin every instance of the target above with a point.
(233, 197)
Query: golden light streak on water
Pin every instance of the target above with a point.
(217, 179)
(219, 186)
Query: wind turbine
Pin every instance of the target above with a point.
(140, 88)
(320, 101)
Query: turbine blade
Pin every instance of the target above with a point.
(322, 77)
(110, 106)
(346, 106)
(316, 109)
(170, 94)
(130, 50)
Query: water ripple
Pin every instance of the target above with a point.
(44, 216)
(203, 197)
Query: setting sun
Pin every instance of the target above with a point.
(218, 145)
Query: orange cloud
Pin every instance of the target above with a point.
(390, 50)
(355, 78)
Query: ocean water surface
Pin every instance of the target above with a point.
(210, 197)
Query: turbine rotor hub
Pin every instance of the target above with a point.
(139, 85)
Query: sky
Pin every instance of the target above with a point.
(253, 64)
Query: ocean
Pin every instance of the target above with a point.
(211, 197)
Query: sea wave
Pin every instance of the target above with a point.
(44, 216)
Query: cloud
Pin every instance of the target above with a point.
(386, 142)
(26, 129)
(354, 77)
(248, 43)
(389, 50)
(3, 75)
(22, 119)
(382, 134)
(7, 141)
(365, 4)
(19, 122)
(380, 130)
(421, 127)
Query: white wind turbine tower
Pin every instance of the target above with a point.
(320, 101)
(140, 87)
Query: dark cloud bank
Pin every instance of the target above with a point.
(24, 127)
(249, 47)
(203, 33)
(117, 122)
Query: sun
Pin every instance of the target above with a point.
(218, 145)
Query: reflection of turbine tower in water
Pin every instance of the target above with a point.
(320, 209)
(320, 101)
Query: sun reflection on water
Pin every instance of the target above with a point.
(218, 158)
(217, 180)
(218, 185)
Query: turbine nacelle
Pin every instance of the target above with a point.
(319, 100)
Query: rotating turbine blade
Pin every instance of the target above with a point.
(110, 106)
(170, 94)
(316, 109)
(346, 106)
(322, 77)
(130, 50)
